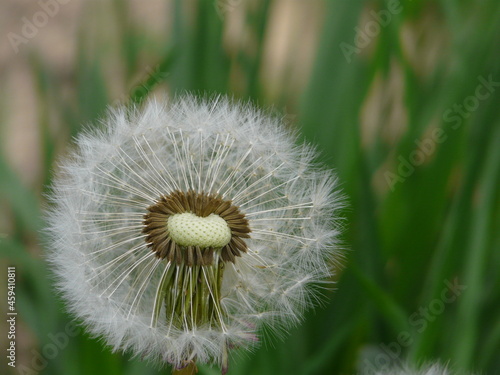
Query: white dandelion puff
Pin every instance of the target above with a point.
(181, 230)
(428, 369)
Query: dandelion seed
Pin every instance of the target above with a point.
(181, 230)
(428, 369)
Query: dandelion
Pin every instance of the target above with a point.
(429, 369)
(182, 230)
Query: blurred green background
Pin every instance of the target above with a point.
(402, 99)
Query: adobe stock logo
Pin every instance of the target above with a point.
(455, 116)
(371, 29)
(153, 76)
(222, 7)
(58, 342)
(391, 353)
(32, 25)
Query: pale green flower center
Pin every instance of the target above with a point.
(188, 229)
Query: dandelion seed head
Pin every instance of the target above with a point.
(427, 369)
(182, 230)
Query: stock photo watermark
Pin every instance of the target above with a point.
(57, 343)
(370, 29)
(30, 26)
(152, 75)
(40, 358)
(455, 116)
(222, 7)
(11, 316)
(390, 353)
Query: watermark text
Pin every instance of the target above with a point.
(11, 316)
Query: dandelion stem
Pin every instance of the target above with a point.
(190, 369)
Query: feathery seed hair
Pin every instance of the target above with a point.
(406, 369)
(180, 230)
